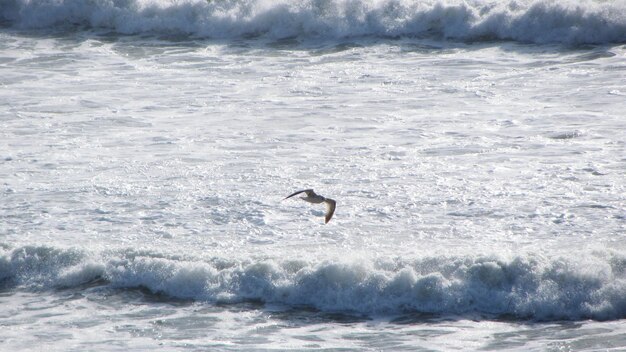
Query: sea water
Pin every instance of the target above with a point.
(476, 151)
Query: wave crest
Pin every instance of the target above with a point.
(529, 287)
(535, 21)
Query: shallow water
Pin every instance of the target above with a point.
(141, 321)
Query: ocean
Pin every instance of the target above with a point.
(476, 151)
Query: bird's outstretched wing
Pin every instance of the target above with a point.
(309, 192)
(330, 209)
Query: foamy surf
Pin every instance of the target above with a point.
(479, 184)
(533, 21)
(537, 287)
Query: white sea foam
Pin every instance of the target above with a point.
(536, 21)
(589, 285)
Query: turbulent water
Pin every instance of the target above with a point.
(476, 151)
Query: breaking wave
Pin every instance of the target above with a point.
(589, 286)
(534, 21)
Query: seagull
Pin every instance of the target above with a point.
(312, 197)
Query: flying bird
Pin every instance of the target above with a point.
(314, 198)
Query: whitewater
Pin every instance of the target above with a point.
(476, 151)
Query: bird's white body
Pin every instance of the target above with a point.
(317, 199)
